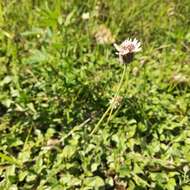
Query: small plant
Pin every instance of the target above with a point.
(126, 53)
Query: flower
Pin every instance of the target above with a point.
(85, 16)
(103, 35)
(116, 101)
(128, 46)
(127, 49)
(179, 79)
(135, 71)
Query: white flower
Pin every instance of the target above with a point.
(180, 78)
(85, 16)
(127, 49)
(128, 46)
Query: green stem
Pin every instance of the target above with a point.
(110, 106)
(100, 121)
(75, 128)
(117, 92)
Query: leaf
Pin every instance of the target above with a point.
(69, 17)
(94, 166)
(68, 151)
(22, 175)
(139, 181)
(24, 156)
(1, 15)
(94, 182)
(31, 107)
(171, 184)
(13, 187)
(109, 181)
(31, 178)
(33, 32)
(124, 171)
(6, 80)
(37, 57)
(186, 187)
(187, 37)
(138, 169)
(9, 159)
(7, 102)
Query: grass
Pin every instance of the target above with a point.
(56, 83)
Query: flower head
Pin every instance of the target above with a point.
(127, 48)
(116, 101)
(85, 16)
(103, 35)
(179, 78)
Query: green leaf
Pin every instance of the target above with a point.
(139, 181)
(9, 159)
(69, 17)
(33, 32)
(37, 57)
(124, 171)
(171, 184)
(94, 182)
(7, 102)
(6, 80)
(94, 166)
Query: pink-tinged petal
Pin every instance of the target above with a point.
(138, 44)
(128, 46)
(116, 47)
(138, 49)
(135, 41)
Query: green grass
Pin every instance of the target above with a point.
(56, 83)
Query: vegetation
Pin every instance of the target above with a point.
(59, 73)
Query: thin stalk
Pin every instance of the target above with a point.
(100, 121)
(110, 106)
(117, 92)
(75, 129)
